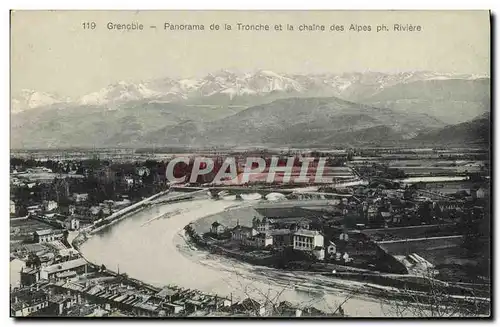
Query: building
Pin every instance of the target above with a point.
(307, 240)
(217, 228)
(80, 197)
(34, 209)
(319, 253)
(47, 235)
(49, 205)
(372, 212)
(262, 240)
(12, 207)
(281, 237)
(478, 193)
(260, 225)
(29, 276)
(250, 306)
(27, 302)
(240, 233)
(331, 249)
(172, 308)
(72, 223)
(344, 237)
(50, 272)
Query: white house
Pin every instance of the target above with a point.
(34, 209)
(307, 240)
(344, 237)
(72, 223)
(262, 240)
(78, 265)
(217, 228)
(319, 253)
(49, 205)
(80, 197)
(479, 193)
(12, 207)
(331, 249)
(47, 235)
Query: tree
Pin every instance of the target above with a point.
(424, 212)
(437, 302)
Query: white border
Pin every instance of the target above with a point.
(188, 4)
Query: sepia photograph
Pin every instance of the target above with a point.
(253, 164)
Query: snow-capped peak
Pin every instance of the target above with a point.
(229, 83)
(30, 99)
(118, 93)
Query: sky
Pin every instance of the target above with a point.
(52, 52)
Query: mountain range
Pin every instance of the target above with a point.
(262, 107)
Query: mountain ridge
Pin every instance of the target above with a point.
(231, 85)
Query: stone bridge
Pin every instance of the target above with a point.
(238, 191)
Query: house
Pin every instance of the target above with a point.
(386, 215)
(47, 235)
(217, 228)
(262, 240)
(129, 181)
(12, 207)
(29, 276)
(260, 226)
(72, 223)
(478, 193)
(242, 232)
(61, 304)
(172, 308)
(49, 205)
(67, 210)
(80, 197)
(168, 294)
(281, 237)
(291, 223)
(34, 209)
(331, 249)
(372, 212)
(307, 240)
(26, 302)
(319, 253)
(251, 306)
(286, 309)
(78, 265)
(142, 171)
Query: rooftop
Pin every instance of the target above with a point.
(284, 231)
(293, 212)
(166, 291)
(242, 228)
(305, 232)
(66, 265)
(44, 232)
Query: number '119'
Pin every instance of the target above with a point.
(89, 25)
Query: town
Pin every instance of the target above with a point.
(386, 215)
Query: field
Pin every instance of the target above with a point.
(420, 245)
(27, 226)
(403, 233)
(453, 262)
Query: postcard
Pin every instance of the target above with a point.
(250, 164)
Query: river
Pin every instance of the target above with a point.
(156, 251)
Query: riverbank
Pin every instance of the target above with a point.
(383, 285)
(158, 253)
